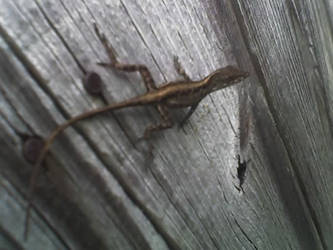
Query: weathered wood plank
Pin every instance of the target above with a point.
(101, 190)
(294, 89)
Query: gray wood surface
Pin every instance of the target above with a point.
(102, 190)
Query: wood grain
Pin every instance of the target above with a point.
(100, 189)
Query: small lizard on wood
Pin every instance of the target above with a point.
(178, 94)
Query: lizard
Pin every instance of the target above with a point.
(178, 94)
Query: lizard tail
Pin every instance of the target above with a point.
(37, 166)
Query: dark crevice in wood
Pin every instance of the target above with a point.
(236, 234)
(234, 33)
(316, 228)
(245, 234)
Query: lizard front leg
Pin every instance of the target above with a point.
(142, 69)
(165, 123)
(188, 115)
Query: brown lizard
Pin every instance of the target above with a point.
(178, 94)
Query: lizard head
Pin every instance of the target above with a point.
(225, 77)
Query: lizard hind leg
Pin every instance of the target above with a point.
(142, 69)
(164, 124)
